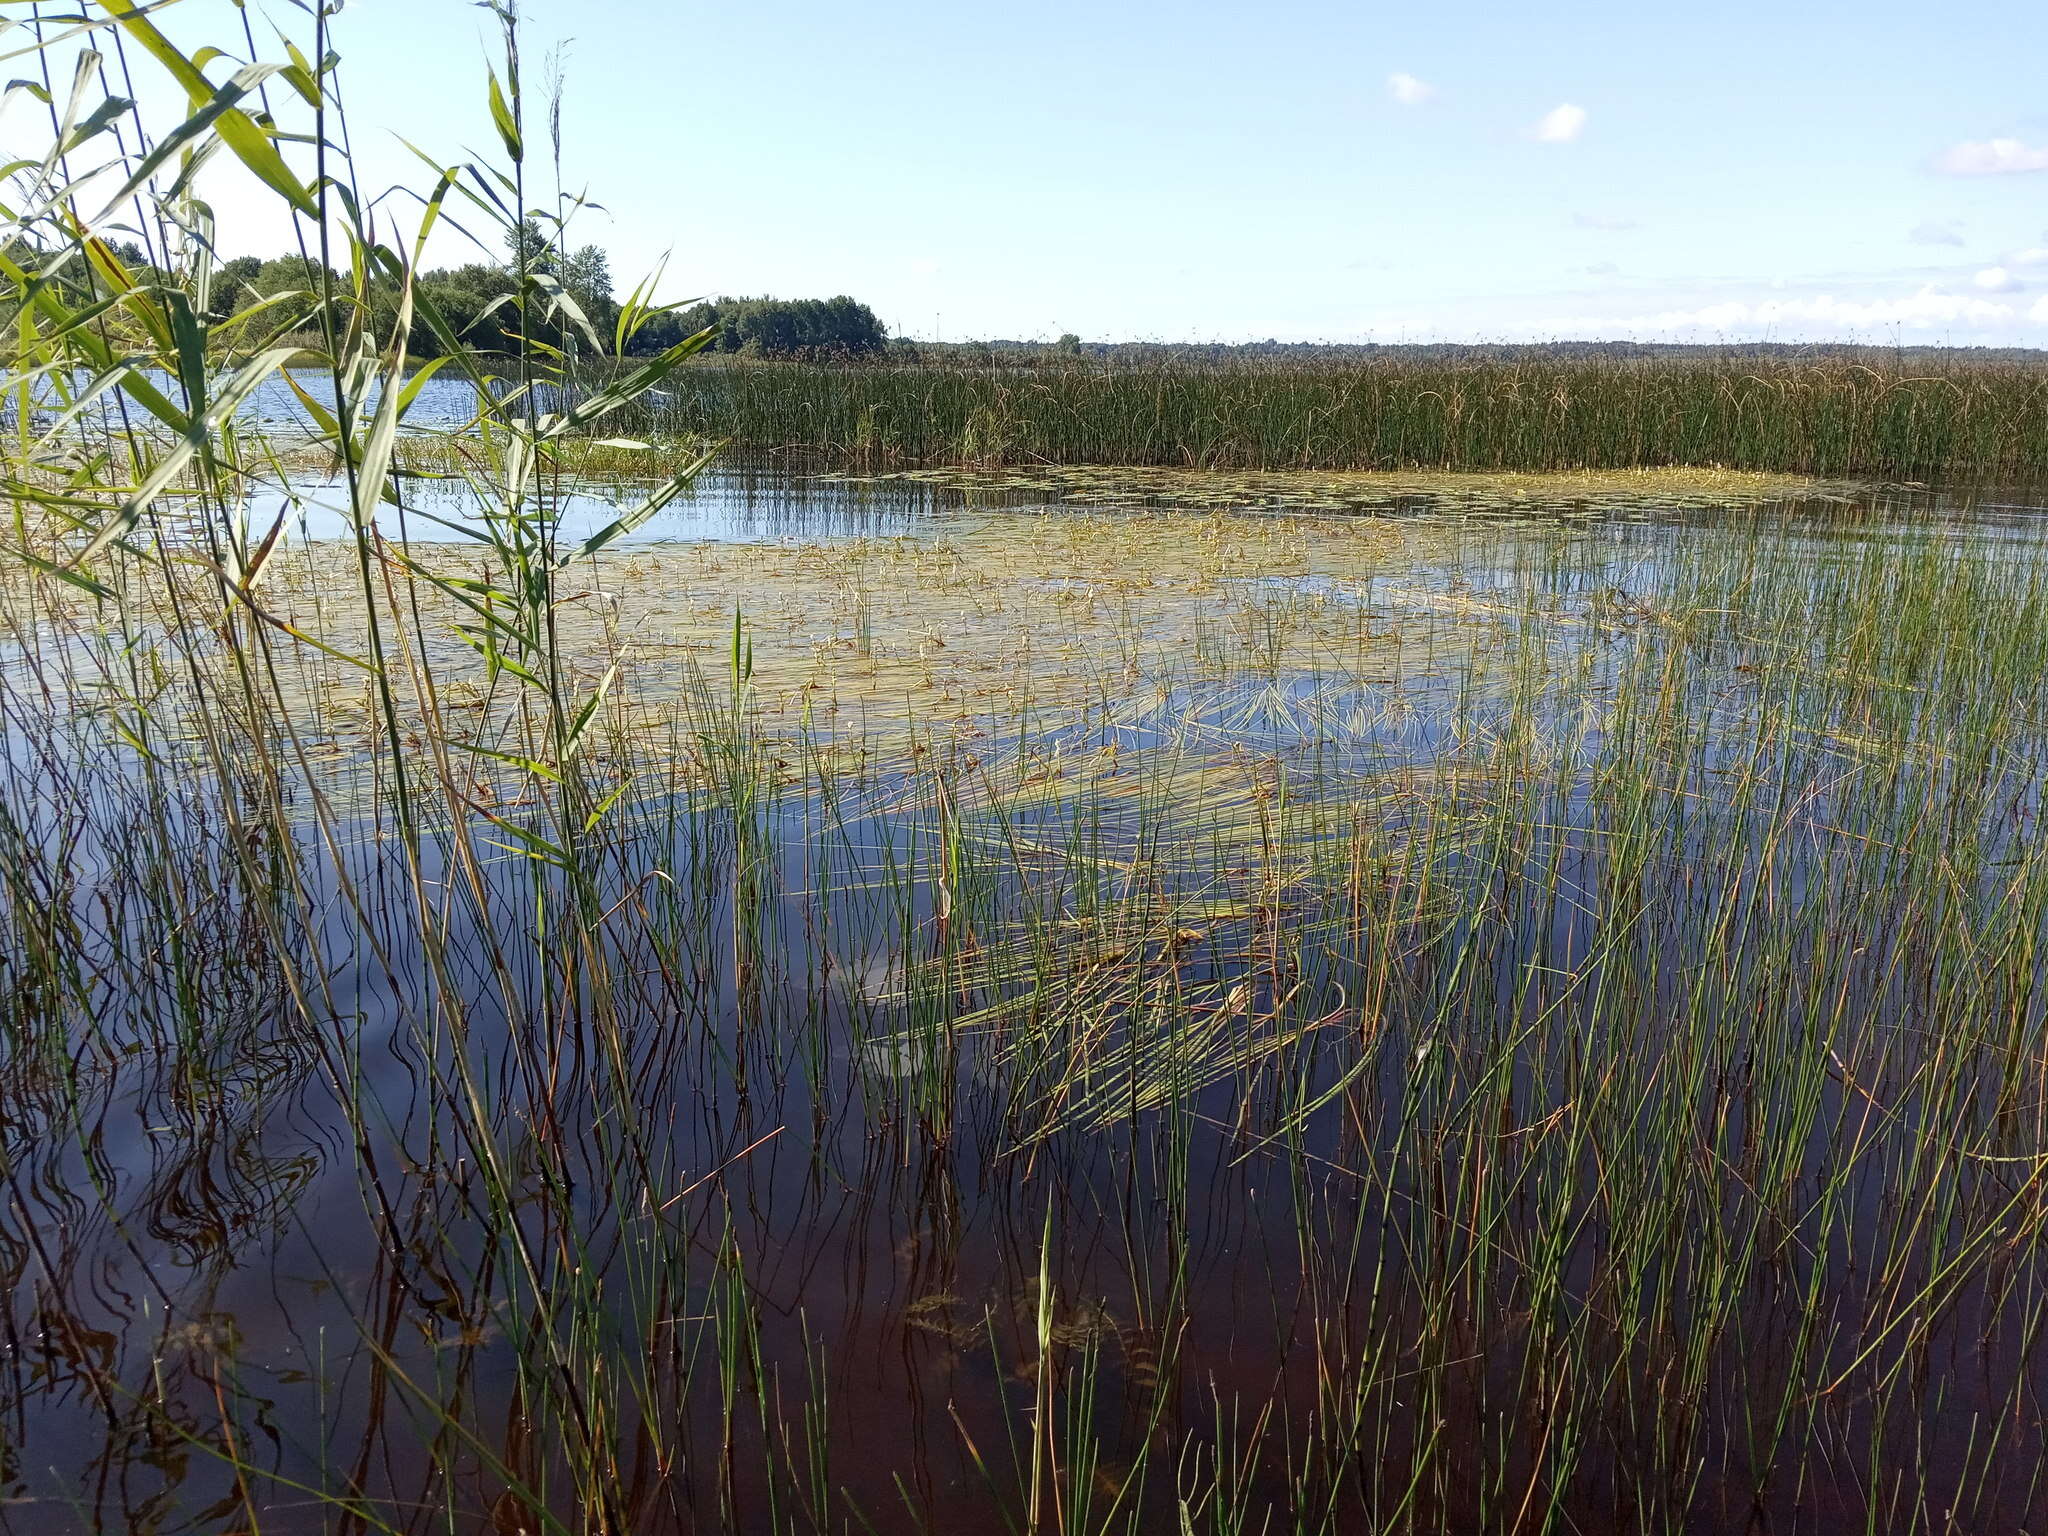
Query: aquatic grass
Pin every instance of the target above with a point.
(1510, 1017)
(1886, 418)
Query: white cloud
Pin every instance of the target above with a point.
(1929, 309)
(1560, 125)
(1937, 232)
(1992, 157)
(1603, 269)
(1408, 90)
(2033, 256)
(1996, 280)
(1601, 221)
(2039, 313)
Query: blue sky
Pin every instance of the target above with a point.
(1298, 169)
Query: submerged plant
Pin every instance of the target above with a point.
(1137, 1004)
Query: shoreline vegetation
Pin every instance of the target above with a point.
(1089, 1010)
(1952, 419)
(1945, 416)
(821, 380)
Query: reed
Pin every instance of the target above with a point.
(1951, 419)
(1523, 1016)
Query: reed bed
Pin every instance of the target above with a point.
(1526, 1016)
(1502, 976)
(1908, 420)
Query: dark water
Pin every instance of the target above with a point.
(1475, 1230)
(445, 402)
(727, 506)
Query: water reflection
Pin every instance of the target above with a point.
(1274, 1088)
(727, 505)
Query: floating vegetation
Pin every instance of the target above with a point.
(982, 627)
(1107, 1010)
(1361, 491)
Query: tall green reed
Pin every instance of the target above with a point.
(1584, 1050)
(1822, 417)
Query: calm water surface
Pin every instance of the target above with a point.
(243, 1229)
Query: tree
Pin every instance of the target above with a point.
(529, 246)
(293, 272)
(297, 274)
(234, 285)
(807, 328)
(587, 275)
(465, 296)
(477, 304)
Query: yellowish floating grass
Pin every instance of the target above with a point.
(999, 624)
(1346, 490)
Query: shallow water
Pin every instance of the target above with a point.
(726, 506)
(1501, 1031)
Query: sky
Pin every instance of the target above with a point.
(1295, 169)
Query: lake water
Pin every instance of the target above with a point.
(1507, 1018)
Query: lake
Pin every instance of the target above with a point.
(1049, 1000)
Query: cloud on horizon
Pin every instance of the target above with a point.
(1937, 232)
(1992, 157)
(1560, 125)
(1409, 91)
(1930, 309)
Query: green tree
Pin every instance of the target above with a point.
(478, 303)
(529, 245)
(475, 301)
(804, 328)
(234, 285)
(587, 275)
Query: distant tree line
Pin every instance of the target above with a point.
(1070, 350)
(816, 329)
(475, 301)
